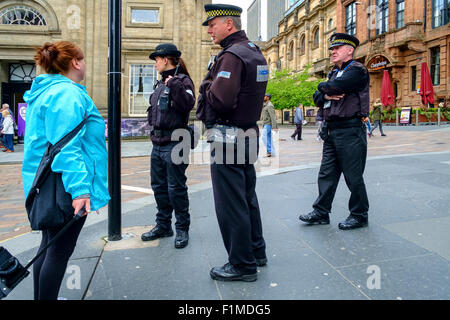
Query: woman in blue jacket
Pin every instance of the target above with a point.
(57, 103)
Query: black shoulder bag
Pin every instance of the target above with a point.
(48, 204)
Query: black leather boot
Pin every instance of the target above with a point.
(315, 217)
(156, 233)
(353, 222)
(182, 239)
(229, 273)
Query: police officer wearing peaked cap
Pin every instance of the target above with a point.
(235, 101)
(170, 103)
(343, 102)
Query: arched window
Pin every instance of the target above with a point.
(302, 45)
(22, 15)
(291, 51)
(330, 24)
(22, 72)
(316, 38)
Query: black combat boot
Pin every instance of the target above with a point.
(156, 233)
(315, 217)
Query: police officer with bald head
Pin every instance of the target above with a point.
(231, 96)
(343, 102)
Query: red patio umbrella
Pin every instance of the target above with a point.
(387, 94)
(426, 86)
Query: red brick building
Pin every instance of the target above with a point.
(398, 35)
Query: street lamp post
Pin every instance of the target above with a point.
(114, 119)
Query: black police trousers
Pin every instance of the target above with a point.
(238, 213)
(168, 181)
(344, 151)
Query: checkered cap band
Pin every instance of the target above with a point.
(219, 13)
(345, 41)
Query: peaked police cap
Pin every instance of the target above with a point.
(340, 39)
(165, 49)
(221, 10)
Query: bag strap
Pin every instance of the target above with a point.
(76, 217)
(56, 148)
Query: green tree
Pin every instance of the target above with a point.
(288, 90)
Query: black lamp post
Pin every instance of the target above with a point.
(114, 120)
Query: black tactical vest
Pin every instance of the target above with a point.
(253, 85)
(353, 105)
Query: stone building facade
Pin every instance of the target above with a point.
(398, 35)
(26, 24)
(303, 37)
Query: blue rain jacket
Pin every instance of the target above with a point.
(56, 105)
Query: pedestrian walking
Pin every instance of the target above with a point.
(236, 100)
(376, 116)
(298, 121)
(8, 131)
(170, 104)
(269, 123)
(343, 102)
(57, 104)
(5, 106)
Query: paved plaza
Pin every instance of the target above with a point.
(403, 254)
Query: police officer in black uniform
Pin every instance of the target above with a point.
(343, 101)
(170, 103)
(230, 97)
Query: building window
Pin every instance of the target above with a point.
(400, 13)
(21, 15)
(22, 72)
(382, 16)
(330, 24)
(435, 65)
(350, 19)
(413, 78)
(142, 79)
(441, 13)
(316, 39)
(302, 45)
(144, 16)
(291, 51)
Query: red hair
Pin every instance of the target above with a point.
(56, 57)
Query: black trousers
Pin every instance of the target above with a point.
(297, 132)
(238, 213)
(49, 269)
(344, 151)
(168, 181)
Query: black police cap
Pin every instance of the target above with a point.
(165, 49)
(340, 39)
(221, 10)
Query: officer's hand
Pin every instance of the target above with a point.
(335, 97)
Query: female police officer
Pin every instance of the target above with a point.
(170, 104)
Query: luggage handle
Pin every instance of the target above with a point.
(76, 217)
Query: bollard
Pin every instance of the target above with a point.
(396, 117)
(439, 116)
(417, 117)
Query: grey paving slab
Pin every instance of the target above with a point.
(369, 244)
(415, 278)
(431, 234)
